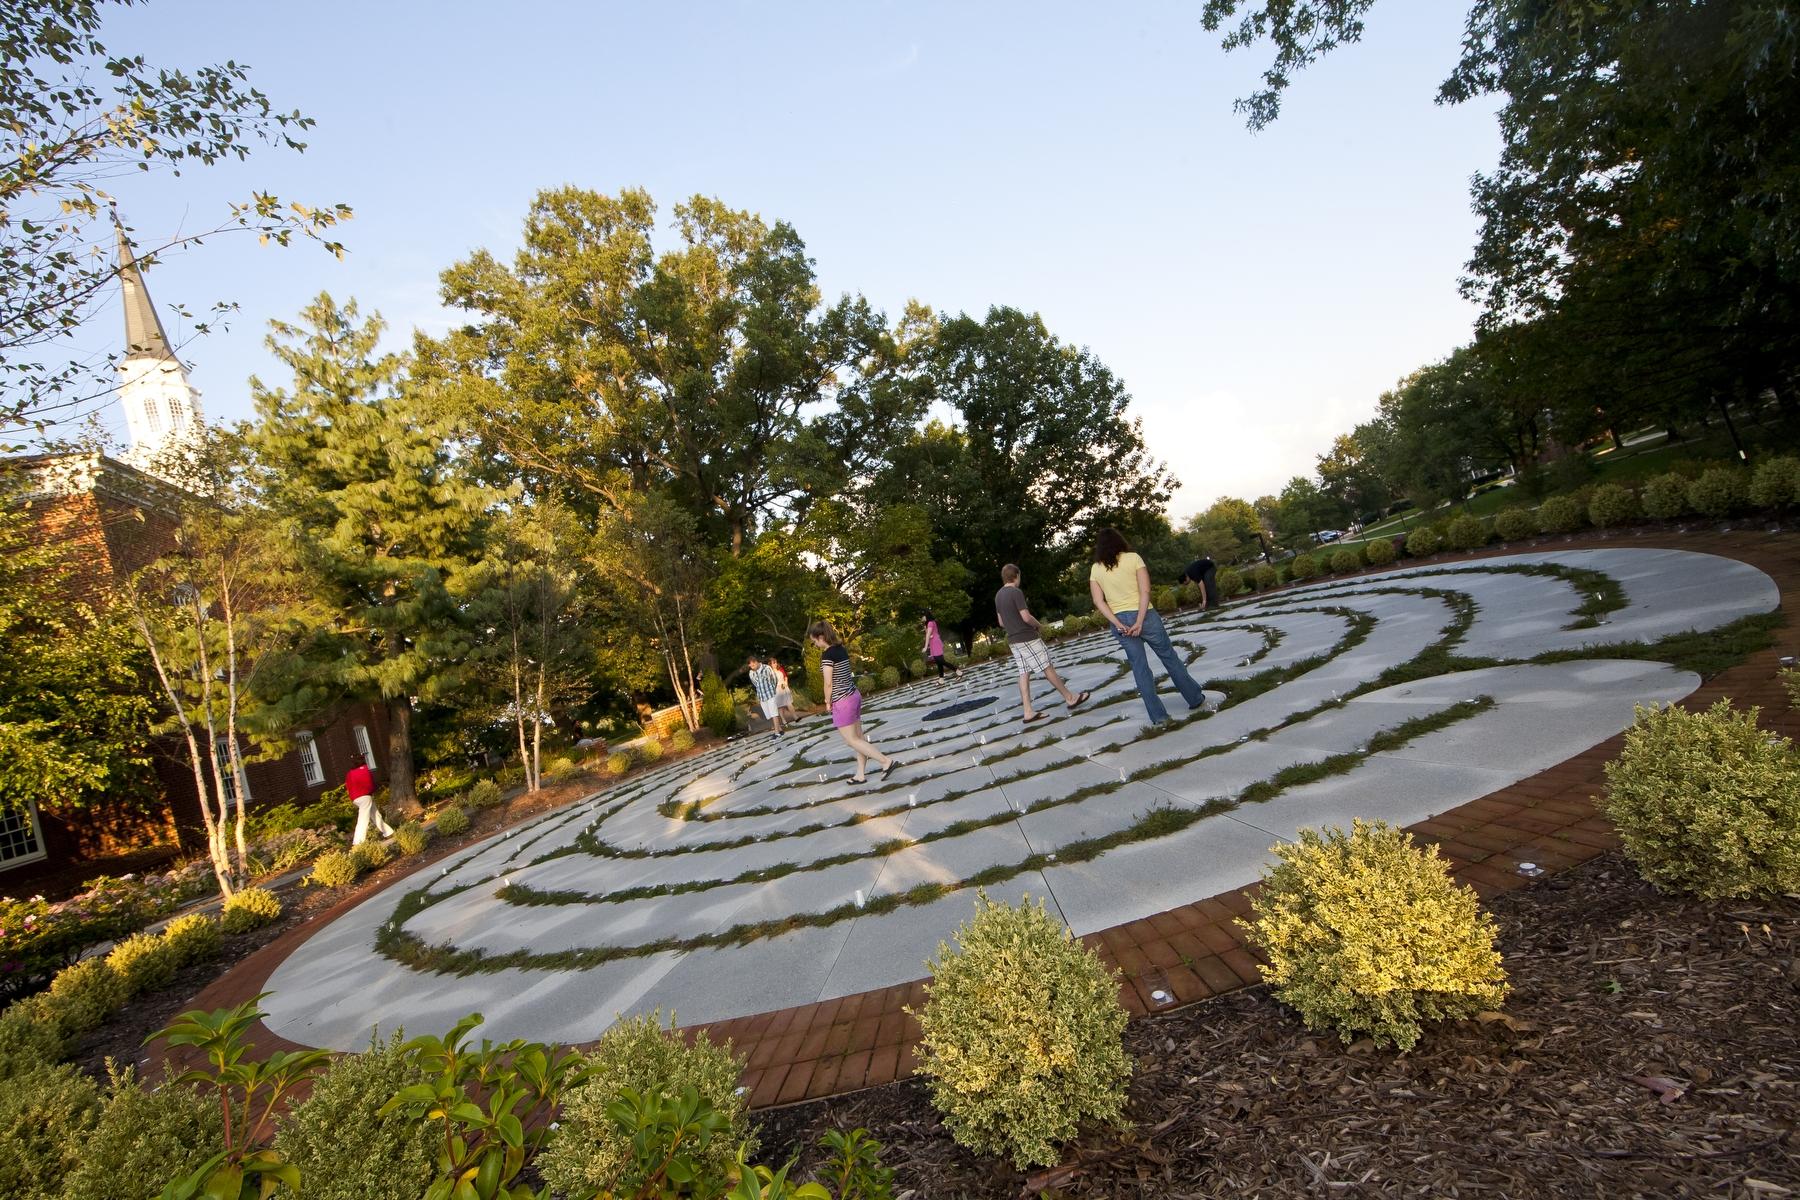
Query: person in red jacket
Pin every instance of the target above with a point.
(360, 785)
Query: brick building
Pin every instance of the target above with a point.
(115, 517)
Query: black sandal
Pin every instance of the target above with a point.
(889, 769)
(1079, 701)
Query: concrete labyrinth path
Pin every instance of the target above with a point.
(755, 876)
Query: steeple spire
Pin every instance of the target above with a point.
(143, 327)
(162, 409)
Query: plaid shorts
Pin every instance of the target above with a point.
(1033, 657)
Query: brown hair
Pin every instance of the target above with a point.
(1009, 573)
(1108, 545)
(823, 629)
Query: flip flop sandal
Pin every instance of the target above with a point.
(855, 782)
(1036, 716)
(889, 769)
(1080, 700)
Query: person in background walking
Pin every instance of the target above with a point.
(1026, 637)
(934, 648)
(846, 702)
(784, 695)
(1119, 582)
(766, 684)
(359, 785)
(1204, 574)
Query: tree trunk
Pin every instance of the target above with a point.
(537, 734)
(221, 869)
(402, 792)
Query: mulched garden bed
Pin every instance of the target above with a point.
(1651, 1047)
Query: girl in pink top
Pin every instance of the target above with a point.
(934, 647)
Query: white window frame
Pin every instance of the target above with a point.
(365, 748)
(311, 768)
(42, 851)
(236, 782)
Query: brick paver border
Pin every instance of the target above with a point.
(1194, 952)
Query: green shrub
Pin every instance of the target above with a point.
(681, 741)
(1189, 594)
(1612, 504)
(144, 962)
(46, 1116)
(343, 1148)
(717, 711)
(193, 938)
(981, 652)
(451, 821)
(588, 1152)
(370, 855)
(1345, 560)
(1366, 933)
(1718, 492)
(562, 766)
(412, 838)
(1468, 532)
(916, 668)
(1707, 803)
(1380, 551)
(484, 794)
(652, 751)
(890, 677)
(1022, 1034)
(1264, 576)
(865, 683)
(253, 908)
(1775, 483)
(1423, 542)
(1666, 497)
(333, 869)
(1302, 566)
(1560, 514)
(1790, 683)
(145, 1137)
(618, 762)
(1232, 582)
(1165, 600)
(84, 995)
(1515, 524)
(31, 1036)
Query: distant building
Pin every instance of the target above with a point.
(118, 517)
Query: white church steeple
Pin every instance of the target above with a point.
(162, 409)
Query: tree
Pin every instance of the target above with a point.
(1044, 449)
(1304, 511)
(1229, 531)
(77, 115)
(537, 651)
(1302, 31)
(75, 713)
(713, 371)
(1348, 477)
(382, 519)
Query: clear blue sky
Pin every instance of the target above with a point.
(1256, 293)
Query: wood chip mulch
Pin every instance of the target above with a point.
(1650, 1047)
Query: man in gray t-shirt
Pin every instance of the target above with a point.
(1026, 638)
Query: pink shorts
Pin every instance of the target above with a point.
(846, 710)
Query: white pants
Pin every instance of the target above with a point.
(366, 811)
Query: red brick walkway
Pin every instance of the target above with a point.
(1195, 951)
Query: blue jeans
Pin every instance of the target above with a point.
(1156, 638)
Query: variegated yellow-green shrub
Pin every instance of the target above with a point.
(1368, 934)
(1707, 803)
(1022, 1034)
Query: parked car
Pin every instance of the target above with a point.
(1328, 535)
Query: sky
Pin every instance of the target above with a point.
(1256, 293)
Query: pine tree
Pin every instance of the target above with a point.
(382, 522)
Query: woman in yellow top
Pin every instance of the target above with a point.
(1120, 585)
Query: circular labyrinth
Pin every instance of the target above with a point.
(754, 877)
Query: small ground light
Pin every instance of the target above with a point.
(1160, 996)
(859, 899)
(1530, 869)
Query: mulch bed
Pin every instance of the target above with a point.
(1651, 1047)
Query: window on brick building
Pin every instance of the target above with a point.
(364, 748)
(234, 780)
(21, 836)
(310, 766)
